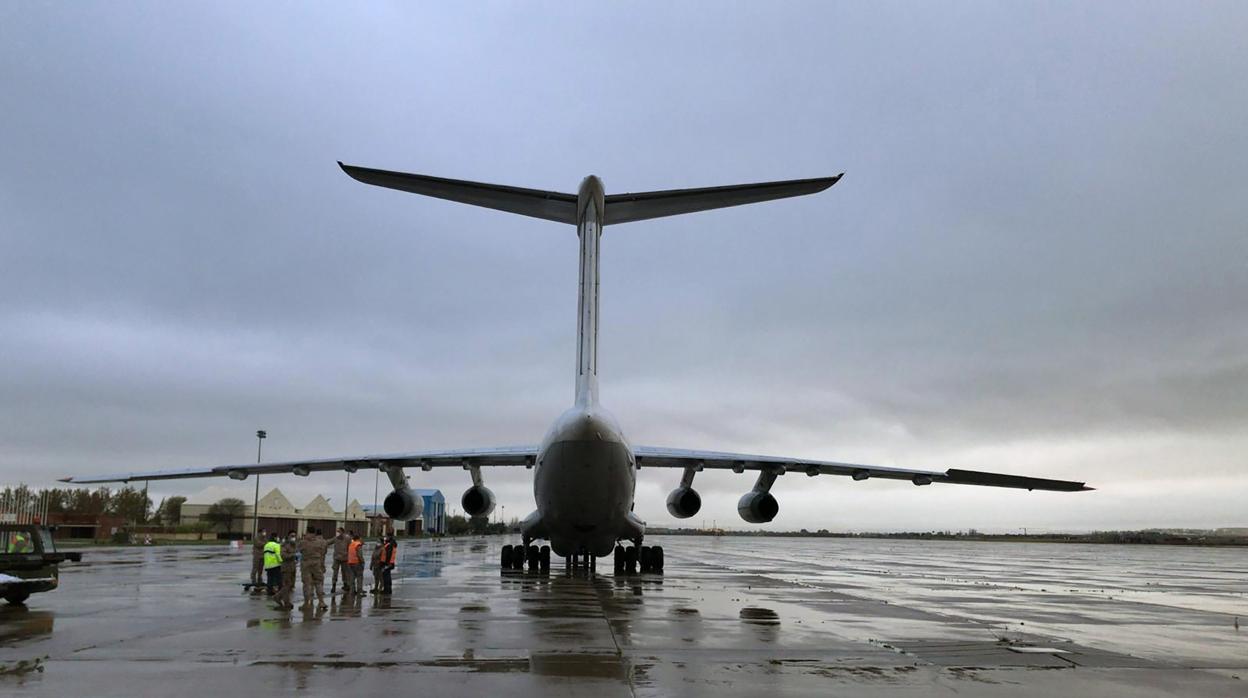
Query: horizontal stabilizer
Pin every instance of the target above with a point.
(547, 205)
(626, 208)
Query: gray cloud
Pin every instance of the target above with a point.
(1036, 262)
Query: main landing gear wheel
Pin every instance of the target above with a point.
(533, 557)
(17, 598)
(648, 557)
(512, 557)
(544, 558)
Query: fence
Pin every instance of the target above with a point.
(22, 505)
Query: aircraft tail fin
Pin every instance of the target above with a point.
(547, 205)
(626, 208)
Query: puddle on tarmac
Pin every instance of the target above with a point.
(20, 623)
(583, 666)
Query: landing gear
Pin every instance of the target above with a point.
(580, 560)
(515, 557)
(512, 557)
(628, 560)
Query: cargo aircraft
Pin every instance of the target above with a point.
(584, 469)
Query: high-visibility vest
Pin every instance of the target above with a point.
(272, 555)
(393, 553)
(353, 552)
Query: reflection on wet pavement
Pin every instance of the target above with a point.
(731, 616)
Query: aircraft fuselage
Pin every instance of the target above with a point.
(584, 478)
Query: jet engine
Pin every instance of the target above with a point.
(683, 502)
(478, 500)
(758, 507)
(403, 505)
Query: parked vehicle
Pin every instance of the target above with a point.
(28, 561)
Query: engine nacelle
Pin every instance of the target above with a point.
(478, 500)
(683, 502)
(403, 505)
(758, 507)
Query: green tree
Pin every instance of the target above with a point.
(130, 504)
(89, 502)
(171, 511)
(457, 525)
(479, 525)
(225, 512)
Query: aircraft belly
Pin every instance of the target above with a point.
(584, 492)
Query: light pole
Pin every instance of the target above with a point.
(261, 435)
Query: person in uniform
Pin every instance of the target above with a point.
(312, 568)
(304, 547)
(272, 564)
(341, 542)
(389, 553)
(257, 560)
(375, 563)
(355, 564)
(290, 551)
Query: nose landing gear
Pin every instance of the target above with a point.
(580, 560)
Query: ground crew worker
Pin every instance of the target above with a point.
(272, 564)
(257, 560)
(312, 568)
(20, 543)
(389, 554)
(290, 552)
(375, 563)
(355, 564)
(341, 542)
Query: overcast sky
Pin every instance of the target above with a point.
(1037, 261)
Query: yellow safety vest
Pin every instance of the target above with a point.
(272, 555)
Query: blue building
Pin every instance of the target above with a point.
(432, 521)
(435, 511)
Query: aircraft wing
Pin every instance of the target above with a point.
(652, 457)
(426, 460)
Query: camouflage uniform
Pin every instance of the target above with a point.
(312, 568)
(257, 561)
(341, 541)
(289, 549)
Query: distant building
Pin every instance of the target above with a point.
(278, 515)
(433, 520)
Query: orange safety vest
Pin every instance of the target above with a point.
(394, 550)
(353, 552)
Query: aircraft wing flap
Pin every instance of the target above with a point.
(626, 208)
(504, 456)
(650, 456)
(547, 205)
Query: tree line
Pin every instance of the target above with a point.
(126, 503)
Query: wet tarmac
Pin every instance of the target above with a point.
(731, 617)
